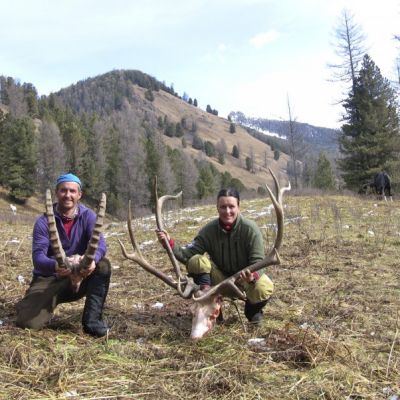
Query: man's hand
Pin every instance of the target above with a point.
(84, 273)
(62, 272)
(247, 276)
(163, 236)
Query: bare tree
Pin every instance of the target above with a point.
(131, 176)
(221, 147)
(297, 146)
(51, 154)
(251, 161)
(349, 47)
(12, 94)
(265, 159)
(187, 179)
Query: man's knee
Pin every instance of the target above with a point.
(26, 320)
(199, 264)
(29, 324)
(103, 267)
(261, 291)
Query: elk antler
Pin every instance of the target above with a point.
(271, 259)
(184, 285)
(183, 281)
(160, 226)
(138, 258)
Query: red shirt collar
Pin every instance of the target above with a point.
(226, 227)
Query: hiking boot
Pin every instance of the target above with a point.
(92, 317)
(257, 318)
(253, 312)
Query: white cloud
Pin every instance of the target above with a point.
(263, 38)
(223, 47)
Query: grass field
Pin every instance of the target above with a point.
(331, 330)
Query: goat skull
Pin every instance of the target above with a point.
(76, 263)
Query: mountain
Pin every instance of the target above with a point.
(126, 91)
(317, 138)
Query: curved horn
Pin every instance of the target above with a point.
(94, 240)
(54, 237)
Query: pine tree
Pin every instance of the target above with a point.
(324, 178)
(370, 137)
(249, 164)
(208, 181)
(18, 154)
(235, 151)
(209, 149)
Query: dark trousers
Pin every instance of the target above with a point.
(45, 293)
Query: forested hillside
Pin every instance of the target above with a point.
(118, 131)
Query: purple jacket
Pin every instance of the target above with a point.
(42, 255)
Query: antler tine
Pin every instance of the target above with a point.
(138, 259)
(130, 230)
(95, 238)
(271, 259)
(54, 237)
(160, 227)
(278, 206)
(278, 191)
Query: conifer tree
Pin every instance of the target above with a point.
(324, 178)
(370, 136)
(18, 154)
(235, 151)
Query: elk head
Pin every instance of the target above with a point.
(206, 304)
(76, 263)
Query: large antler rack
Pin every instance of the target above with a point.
(184, 285)
(271, 259)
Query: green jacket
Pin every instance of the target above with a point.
(230, 251)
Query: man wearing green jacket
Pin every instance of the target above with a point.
(232, 242)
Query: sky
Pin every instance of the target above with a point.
(236, 55)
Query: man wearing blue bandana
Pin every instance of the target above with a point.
(50, 284)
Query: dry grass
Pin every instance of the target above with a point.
(331, 330)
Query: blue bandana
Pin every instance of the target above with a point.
(68, 178)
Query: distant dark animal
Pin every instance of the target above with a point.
(382, 185)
